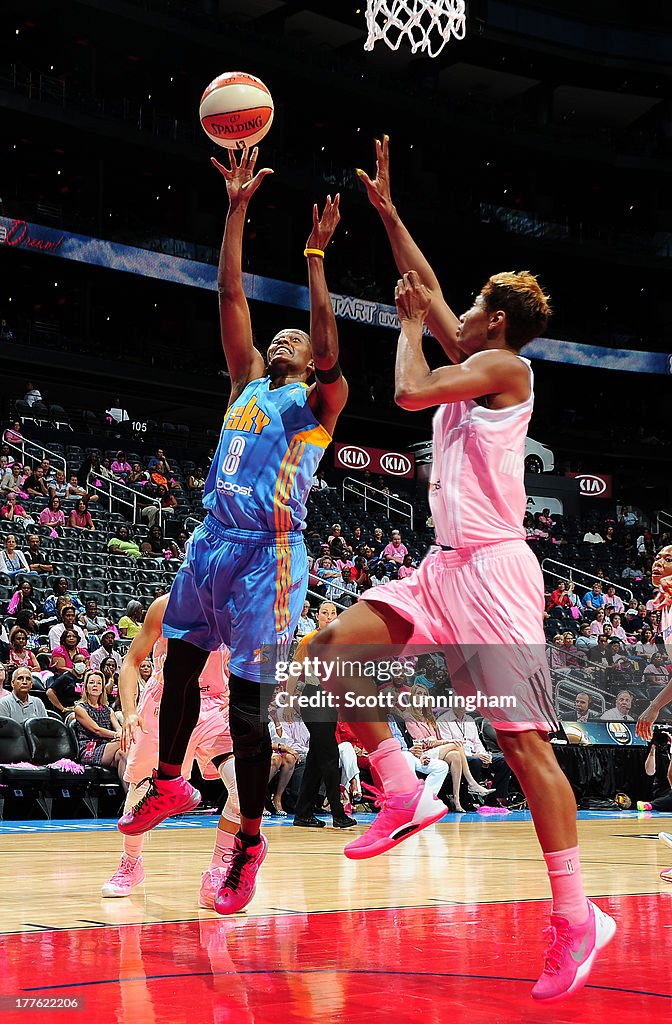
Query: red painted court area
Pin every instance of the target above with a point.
(472, 963)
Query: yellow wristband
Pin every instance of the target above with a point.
(314, 252)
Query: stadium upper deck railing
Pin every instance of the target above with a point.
(374, 496)
(570, 574)
(115, 491)
(34, 450)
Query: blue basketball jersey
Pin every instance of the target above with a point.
(269, 449)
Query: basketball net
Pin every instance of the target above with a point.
(427, 24)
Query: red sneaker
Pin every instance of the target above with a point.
(163, 798)
(239, 884)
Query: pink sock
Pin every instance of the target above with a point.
(394, 770)
(133, 846)
(564, 872)
(223, 843)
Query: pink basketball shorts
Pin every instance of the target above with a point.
(210, 738)
(484, 608)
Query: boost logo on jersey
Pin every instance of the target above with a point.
(229, 488)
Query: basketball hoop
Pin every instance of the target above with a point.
(427, 24)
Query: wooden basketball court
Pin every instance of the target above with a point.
(448, 924)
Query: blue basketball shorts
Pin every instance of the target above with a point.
(241, 588)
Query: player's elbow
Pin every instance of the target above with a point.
(406, 399)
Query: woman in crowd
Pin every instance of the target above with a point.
(108, 667)
(19, 653)
(423, 729)
(145, 670)
(53, 515)
(597, 625)
(13, 512)
(80, 517)
(66, 688)
(616, 627)
(23, 599)
(12, 480)
(62, 656)
(361, 574)
(196, 481)
(98, 731)
(92, 621)
(130, 623)
(155, 545)
(120, 467)
(12, 561)
(645, 647)
(122, 545)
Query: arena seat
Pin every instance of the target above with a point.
(15, 782)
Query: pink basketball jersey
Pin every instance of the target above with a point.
(213, 681)
(666, 627)
(477, 492)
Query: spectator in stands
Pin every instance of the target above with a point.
(12, 561)
(582, 712)
(120, 467)
(66, 688)
(35, 484)
(22, 599)
(610, 535)
(621, 712)
(48, 472)
(155, 545)
(129, 624)
(108, 638)
(655, 676)
(628, 518)
(138, 476)
(26, 620)
(395, 551)
(645, 646)
(330, 577)
(318, 482)
(632, 624)
(12, 480)
(13, 512)
(122, 545)
(168, 505)
(178, 547)
(306, 623)
(13, 433)
(69, 645)
(80, 517)
(594, 598)
(92, 621)
(573, 659)
(612, 598)
(19, 705)
(348, 587)
(196, 481)
(98, 730)
(160, 457)
(92, 467)
(632, 571)
(53, 515)
(407, 568)
(145, 671)
(556, 652)
(68, 620)
(593, 537)
(60, 590)
(73, 491)
(290, 741)
(616, 627)
(4, 683)
(558, 597)
(337, 540)
(585, 640)
(360, 573)
(59, 487)
(379, 575)
(378, 542)
(19, 654)
(32, 394)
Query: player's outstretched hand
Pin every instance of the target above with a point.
(241, 181)
(324, 226)
(378, 188)
(132, 725)
(644, 727)
(412, 298)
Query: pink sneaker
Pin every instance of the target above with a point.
(124, 880)
(666, 875)
(571, 953)
(163, 798)
(239, 883)
(399, 818)
(210, 883)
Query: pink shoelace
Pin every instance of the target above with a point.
(558, 943)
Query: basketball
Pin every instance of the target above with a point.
(236, 110)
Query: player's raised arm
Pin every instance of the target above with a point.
(331, 389)
(140, 648)
(441, 320)
(495, 372)
(244, 362)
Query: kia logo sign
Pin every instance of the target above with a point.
(395, 464)
(354, 457)
(592, 486)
